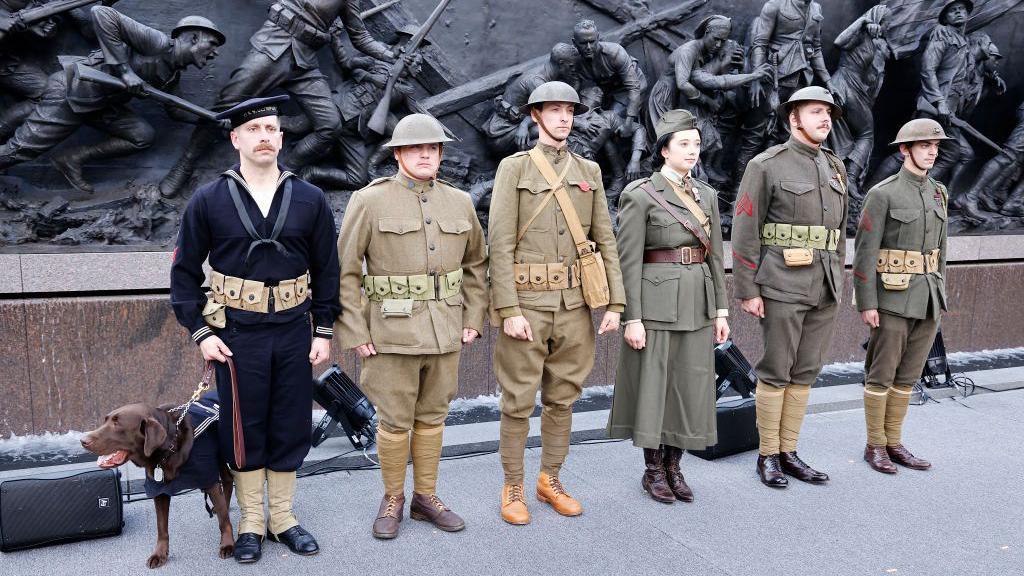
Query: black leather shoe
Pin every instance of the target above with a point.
(797, 468)
(770, 471)
(298, 541)
(248, 548)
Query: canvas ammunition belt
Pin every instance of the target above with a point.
(907, 262)
(416, 287)
(543, 277)
(794, 236)
(255, 296)
(684, 255)
(294, 24)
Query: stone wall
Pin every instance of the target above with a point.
(65, 361)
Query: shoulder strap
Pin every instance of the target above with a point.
(559, 179)
(693, 207)
(572, 219)
(695, 230)
(835, 163)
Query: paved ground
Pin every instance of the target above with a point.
(965, 517)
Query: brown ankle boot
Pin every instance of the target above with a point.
(654, 480)
(878, 459)
(550, 491)
(431, 509)
(392, 508)
(676, 481)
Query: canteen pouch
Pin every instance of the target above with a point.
(896, 282)
(795, 257)
(213, 313)
(396, 308)
(594, 280)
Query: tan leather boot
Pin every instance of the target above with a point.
(513, 505)
(550, 491)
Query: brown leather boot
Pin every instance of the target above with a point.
(900, 455)
(878, 459)
(770, 471)
(550, 491)
(513, 505)
(676, 481)
(797, 468)
(654, 481)
(431, 509)
(392, 509)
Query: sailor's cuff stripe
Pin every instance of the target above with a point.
(204, 331)
(325, 331)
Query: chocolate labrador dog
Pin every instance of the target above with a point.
(174, 460)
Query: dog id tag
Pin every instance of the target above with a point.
(158, 474)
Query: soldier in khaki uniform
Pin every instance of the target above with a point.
(423, 296)
(547, 341)
(899, 271)
(789, 243)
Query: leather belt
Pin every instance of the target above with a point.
(683, 255)
(907, 261)
(294, 24)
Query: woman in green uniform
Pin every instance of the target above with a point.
(670, 248)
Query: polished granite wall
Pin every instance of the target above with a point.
(66, 361)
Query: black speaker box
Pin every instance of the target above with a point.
(737, 429)
(736, 417)
(54, 510)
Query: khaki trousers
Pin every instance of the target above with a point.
(898, 349)
(796, 337)
(556, 362)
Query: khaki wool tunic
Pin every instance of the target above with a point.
(665, 392)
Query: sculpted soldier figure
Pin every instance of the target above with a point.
(508, 130)
(136, 54)
(608, 67)
(984, 193)
(270, 241)
(899, 271)
(787, 35)
(422, 298)
(357, 148)
(857, 82)
(553, 259)
(21, 80)
(283, 55)
(944, 66)
(696, 78)
(788, 240)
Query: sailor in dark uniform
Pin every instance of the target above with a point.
(271, 243)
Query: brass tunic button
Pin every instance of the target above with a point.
(424, 198)
(561, 258)
(428, 220)
(561, 231)
(431, 245)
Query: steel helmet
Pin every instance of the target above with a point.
(195, 22)
(417, 129)
(810, 94)
(919, 129)
(554, 91)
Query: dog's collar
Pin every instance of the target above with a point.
(158, 470)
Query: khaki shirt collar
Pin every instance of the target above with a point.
(805, 149)
(675, 177)
(414, 185)
(912, 178)
(552, 152)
